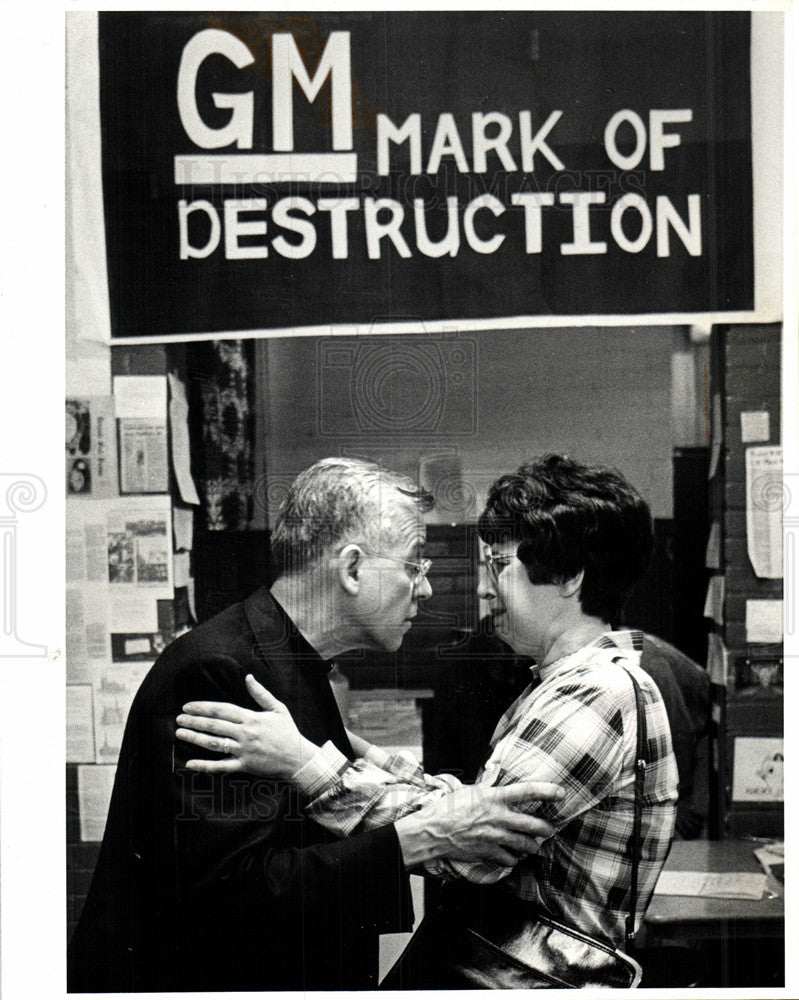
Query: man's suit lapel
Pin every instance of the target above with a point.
(286, 665)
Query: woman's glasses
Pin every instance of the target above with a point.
(496, 564)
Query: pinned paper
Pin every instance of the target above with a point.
(772, 860)
(140, 403)
(113, 696)
(758, 769)
(180, 569)
(91, 447)
(140, 396)
(764, 621)
(119, 568)
(179, 436)
(80, 728)
(143, 456)
(95, 784)
(87, 641)
(714, 602)
(86, 541)
(139, 540)
(190, 597)
(715, 436)
(133, 611)
(183, 527)
(764, 502)
(755, 426)
(717, 659)
(137, 646)
(88, 376)
(712, 885)
(713, 550)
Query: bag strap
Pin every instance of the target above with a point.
(638, 806)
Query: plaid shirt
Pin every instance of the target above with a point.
(576, 728)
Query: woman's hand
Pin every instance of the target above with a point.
(266, 743)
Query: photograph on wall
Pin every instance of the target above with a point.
(78, 446)
(90, 447)
(759, 770)
(451, 343)
(138, 550)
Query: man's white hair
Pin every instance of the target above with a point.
(337, 500)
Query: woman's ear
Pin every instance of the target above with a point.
(572, 586)
(350, 561)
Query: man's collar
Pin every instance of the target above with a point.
(278, 637)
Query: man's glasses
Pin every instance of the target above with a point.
(496, 564)
(420, 569)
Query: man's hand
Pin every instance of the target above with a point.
(360, 746)
(477, 823)
(264, 743)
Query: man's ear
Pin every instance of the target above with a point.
(572, 586)
(350, 561)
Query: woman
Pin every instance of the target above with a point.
(565, 543)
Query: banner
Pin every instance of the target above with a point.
(275, 171)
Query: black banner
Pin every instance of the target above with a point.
(267, 170)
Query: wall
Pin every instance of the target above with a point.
(751, 360)
(491, 399)
(749, 709)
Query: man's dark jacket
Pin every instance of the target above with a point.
(219, 882)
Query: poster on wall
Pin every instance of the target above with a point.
(119, 579)
(764, 505)
(758, 769)
(90, 447)
(264, 171)
(113, 694)
(142, 456)
(141, 408)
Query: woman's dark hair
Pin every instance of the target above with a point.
(569, 517)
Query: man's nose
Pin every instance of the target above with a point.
(485, 588)
(423, 589)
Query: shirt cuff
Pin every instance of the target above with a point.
(379, 757)
(321, 772)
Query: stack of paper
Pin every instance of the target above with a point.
(712, 885)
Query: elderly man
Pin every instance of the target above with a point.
(223, 882)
